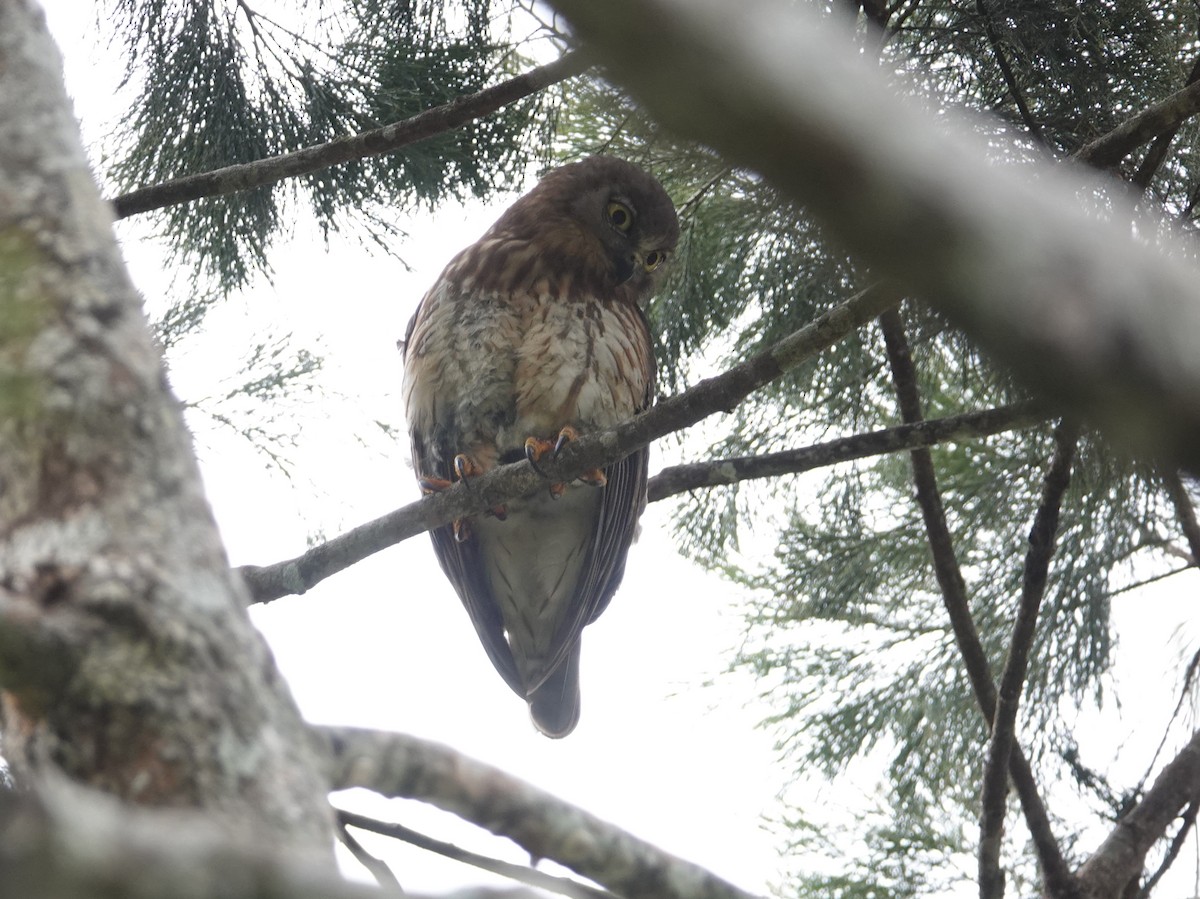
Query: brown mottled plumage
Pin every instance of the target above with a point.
(537, 327)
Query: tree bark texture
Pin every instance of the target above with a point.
(127, 662)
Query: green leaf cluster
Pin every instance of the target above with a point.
(221, 82)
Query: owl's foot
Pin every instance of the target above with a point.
(465, 468)
(536, 449)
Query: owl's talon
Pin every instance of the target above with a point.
(462, 530)
(565, 436)
(466, 467)
(535, 449)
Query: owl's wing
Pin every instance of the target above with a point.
(465, 570)
(432, 451)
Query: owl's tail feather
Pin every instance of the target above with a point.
(554, 706)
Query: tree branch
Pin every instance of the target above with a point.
(387, 139)
(1069, 302)
(1042, 539)
(403, 766)
(109, 555)
(1035, 130)
(1154, 157)
(1186, 511)
(383, 875)
(501, 484)
(1177, 841)
(720, 472)
(521, 873)
(953, 587)
(1121, 856)
(71, 843)
(1164, 117)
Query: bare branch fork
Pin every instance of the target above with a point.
(1058, 877)
(389, 138)
(501, 484)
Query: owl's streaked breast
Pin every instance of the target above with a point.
(518, 366)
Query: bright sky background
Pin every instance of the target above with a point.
(387, 643)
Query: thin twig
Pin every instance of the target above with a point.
(678, 479)
(387, 139)
(501, 484)
(1058, 877)
(379, 870)
(1043, 537)
(521, 873)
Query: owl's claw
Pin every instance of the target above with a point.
(465, 468)
(536, 448)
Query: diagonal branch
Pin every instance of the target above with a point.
(522, 873)
(1162, 118)
(1154, 157)
(1058, 876)
(1186, 511)
(388, 139)
(398, 765)
(501, 484)
(1010, 79)
(1042, 539)
(384, 876)
(720, 472)
(1122, 854)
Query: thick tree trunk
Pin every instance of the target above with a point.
(127, 662)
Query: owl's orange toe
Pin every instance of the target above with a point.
(465, 468)
(536, 449)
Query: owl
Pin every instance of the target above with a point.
(531, 336)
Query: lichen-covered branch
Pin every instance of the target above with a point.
(127, 661)
(1120, 857)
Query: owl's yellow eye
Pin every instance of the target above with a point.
(654, 259)
(619, 216)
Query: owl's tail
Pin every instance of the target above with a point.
(554, 706)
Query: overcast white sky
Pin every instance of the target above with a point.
(387, 643)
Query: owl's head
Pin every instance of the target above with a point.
(603, 222)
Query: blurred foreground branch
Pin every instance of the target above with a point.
(1070, 302)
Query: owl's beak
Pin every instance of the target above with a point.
(624, 267)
